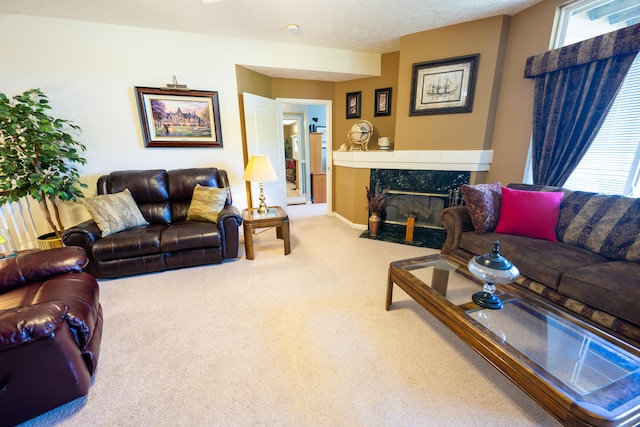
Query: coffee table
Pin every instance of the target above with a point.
(578, 373)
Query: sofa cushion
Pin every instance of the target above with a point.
(613, 287)
(148, 188)
(483, 205)
(529, 213)
(541, 260)
(181, 183)
(187, 235)
(207, 203)
(114, 212)
(134, 242)
(605, 224)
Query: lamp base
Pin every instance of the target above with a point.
(487, 300)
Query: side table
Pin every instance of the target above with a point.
(275, 217)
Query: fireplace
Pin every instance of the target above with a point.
(425, 208)
(421, 195)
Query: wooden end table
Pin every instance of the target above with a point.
(275, 217)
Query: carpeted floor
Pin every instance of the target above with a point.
(297, 340)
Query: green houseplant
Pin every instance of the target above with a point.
(38, 156)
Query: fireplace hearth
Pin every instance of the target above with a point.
(422, 195)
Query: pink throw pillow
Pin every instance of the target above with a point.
(529, 213)
(483, 205)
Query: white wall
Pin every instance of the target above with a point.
(89, 72)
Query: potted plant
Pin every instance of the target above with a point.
(38, 157)
(377, 199)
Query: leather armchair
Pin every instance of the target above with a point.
(50, 331)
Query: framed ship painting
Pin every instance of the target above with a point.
(179, 118)
(445, 86)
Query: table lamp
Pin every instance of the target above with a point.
(492, 268)
(260, 169)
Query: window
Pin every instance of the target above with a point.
(612, 164)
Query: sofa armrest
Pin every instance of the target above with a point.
(84, 235)
(25, 324)
(455, 220)
(39, 266)
(232, 213)
(229, 222)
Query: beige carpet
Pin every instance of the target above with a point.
(297, 340)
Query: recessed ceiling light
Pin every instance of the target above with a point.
(210, 1)
(294, 29)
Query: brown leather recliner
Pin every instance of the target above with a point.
(169, 241)
(50, 332)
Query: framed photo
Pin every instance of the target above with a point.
(445, 86)
(383, 102)
(353, 105)
(179, 118)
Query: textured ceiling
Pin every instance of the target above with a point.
(361, 25)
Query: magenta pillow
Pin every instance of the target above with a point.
(529, 213)
(483, 205)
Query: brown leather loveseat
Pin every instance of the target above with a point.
(50, 332)
(169, 240)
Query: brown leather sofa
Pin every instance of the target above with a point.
(169, 241)
(50, 332)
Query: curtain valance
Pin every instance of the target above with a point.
(620, 42)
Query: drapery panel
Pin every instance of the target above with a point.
(574, 89)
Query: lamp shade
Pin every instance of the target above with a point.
(259, 169)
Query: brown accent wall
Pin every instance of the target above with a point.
(349, 194)
(303, 89)
(462, 131)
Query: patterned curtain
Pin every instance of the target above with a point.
(575, 87)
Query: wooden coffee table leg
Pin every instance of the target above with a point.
(248, 240)
(389, 291)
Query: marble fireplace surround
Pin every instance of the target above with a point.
(427, 172)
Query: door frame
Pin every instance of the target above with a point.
(328, 104)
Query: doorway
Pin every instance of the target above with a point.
(295, 158)
(304, 111)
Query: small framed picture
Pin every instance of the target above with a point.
(383, 102)
(445, 86)
(353, 105)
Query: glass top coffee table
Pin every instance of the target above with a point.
(579, 374)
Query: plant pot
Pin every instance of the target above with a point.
(374, 224)
(49, 241)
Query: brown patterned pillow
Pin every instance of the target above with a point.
(114, 212)
(483, 204)
(207, 203)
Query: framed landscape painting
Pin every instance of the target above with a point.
(179, 118)
(445, 86)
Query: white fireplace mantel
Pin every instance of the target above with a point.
(450, 160)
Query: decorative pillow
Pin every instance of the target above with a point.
(529, 213)
(604, 224)
(207, 203)
(483, 204)
(115, 212)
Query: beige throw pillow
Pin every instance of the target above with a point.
(207, 203)
(115, 212)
